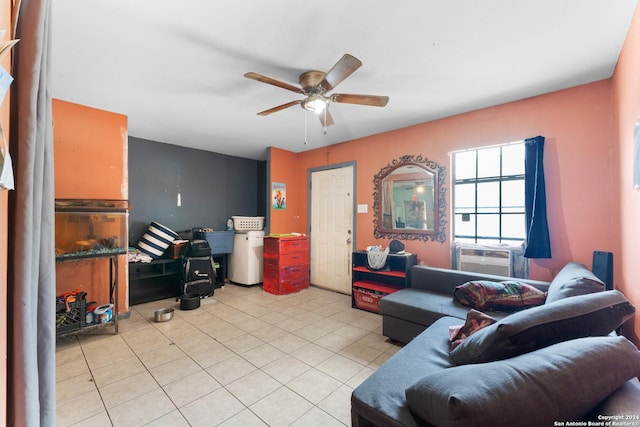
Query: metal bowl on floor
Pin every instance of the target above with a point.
(163, 315)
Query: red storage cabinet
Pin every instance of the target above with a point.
(286, 264)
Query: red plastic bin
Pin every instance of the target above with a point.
(367, 295)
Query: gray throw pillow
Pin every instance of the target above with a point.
(558, 383)
(586, 315)
(574, 279)
(624, 401)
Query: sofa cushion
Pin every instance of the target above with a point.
(421, 307)
(574, 279)
(581, 316)
(508, 295)
(558, 383)
(444, 280)
(624, 401)
(381, 397)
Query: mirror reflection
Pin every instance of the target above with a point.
(409, 201)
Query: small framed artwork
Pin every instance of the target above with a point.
(278, 195)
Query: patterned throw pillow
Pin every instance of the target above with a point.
(509, 295)
(475, 321)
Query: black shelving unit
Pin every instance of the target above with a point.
(369, 286)
(155, 280)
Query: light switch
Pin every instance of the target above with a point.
(363, 208)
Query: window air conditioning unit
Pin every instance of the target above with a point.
(485, 261)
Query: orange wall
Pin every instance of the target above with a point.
(284, 168)
(626, 96)
(90, 154)
(5, 23)
(577, 124)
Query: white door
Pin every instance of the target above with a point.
(332, 228)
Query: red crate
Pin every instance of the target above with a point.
(367, 295)
(286, 259)
(282, 281)
(286, 244)
(285, 287)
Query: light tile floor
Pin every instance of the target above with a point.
(244, 358)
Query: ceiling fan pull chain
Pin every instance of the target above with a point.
(326, 107)
(305, 128)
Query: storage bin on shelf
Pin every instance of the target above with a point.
(176, 248)
(248, 223)
(367, 295)
(70, 316)
(221, 241)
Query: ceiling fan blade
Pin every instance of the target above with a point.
(269, 80)
(373, 100)
(343, 69)
(325, 118)
(278, 108)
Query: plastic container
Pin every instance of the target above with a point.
(176, 248)
(367, 295)
(189, 301)
(103, 314)
(248, 223)
(221, 242)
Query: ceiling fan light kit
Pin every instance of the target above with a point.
(316, 103)
(315, 85)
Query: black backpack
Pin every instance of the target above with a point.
(199, 276)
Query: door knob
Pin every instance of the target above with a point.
(349, 240)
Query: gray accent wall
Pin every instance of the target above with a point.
(213, 187)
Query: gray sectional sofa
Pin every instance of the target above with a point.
(406, 313)
(555, 364)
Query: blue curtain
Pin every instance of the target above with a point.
(538, 244)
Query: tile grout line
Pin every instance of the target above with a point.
(298, 309)
(248, 407)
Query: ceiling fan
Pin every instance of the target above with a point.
(315, 85)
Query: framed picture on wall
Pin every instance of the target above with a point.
(278, 195)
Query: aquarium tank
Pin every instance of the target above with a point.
(88, 228)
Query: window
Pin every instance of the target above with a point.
(488, 195)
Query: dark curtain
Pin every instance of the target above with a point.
(32, 285)
(538, 244)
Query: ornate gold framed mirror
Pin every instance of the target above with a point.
(408, 200)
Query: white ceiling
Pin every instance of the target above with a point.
(175, 68)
